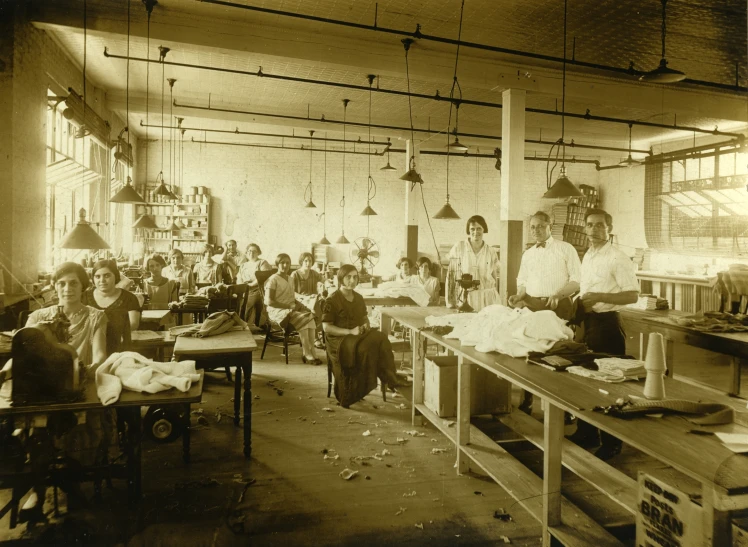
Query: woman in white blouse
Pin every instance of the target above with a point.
(426, 281)
(177, 271)
(477, 258)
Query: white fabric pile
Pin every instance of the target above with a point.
(514, 332)
(396, 289)
(130, 370)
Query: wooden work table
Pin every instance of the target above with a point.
(722, 474)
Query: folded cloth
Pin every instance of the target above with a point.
(216, 323)
(132, 371)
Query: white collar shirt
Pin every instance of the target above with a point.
(546, 270)
(607, 270)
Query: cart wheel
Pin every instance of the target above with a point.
(163, 425)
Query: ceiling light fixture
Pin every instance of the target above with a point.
(149, 4)
(412, 175)
(310, 204)
(447, 212)
(83, 130)
(388, 167)
(629, 161)
(162, 190)
(342, 239)
(172, 181)
(127, 194)
(663, 74)
(82, 236)
(324, 240)
(371, 186)
(563, 187)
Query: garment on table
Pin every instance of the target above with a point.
(183, 275)
(298, 316)
(545, 270)
(83, 325)
(306, 285)
(117, 314)
(161, 294)
(132, 371)
(431, 286)
(607, 270)
(216, 323)
(483, 266)
(357, 361)
(564, 308)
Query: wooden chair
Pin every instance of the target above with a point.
(275, 334)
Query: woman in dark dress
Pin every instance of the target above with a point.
(359, 354)
(120, 306)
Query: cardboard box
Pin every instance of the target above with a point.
(489, 394)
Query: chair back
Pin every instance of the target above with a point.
(238, 295)
(262, 278)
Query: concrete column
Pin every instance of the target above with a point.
(511, 232)
(412, 199)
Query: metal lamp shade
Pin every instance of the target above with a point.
(368, 211)
(388, 167)
(563, 188)
(310, 205)
(146, 222)
(342, 240)
(127, 194)
(457, 146)
(663, 75)
(82, 236)
(412, 176)
(324, 240)
(446, 213)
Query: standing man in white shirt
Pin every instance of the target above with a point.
(549, 275)
(608, 284)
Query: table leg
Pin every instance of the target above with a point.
(463, 413)
(716, 526)
(134, 453)
(419, 355)
(385, 324)
(248, 406)
(553, 435)
(186, 434)
(237, 391)
(735, 364)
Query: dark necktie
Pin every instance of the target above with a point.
(541, 244)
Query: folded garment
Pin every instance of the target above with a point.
(216, 323)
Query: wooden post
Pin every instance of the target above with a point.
(463, 413)
(419, 357)
(412, 201)
(717, 526)
(553, 436)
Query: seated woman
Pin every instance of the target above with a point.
(91, 439)
(160, 289)
(177, 271)
(426, 281)
(208, 270)
(118, 304)
(247, 275)
(284, 309)
(404, 267)
(359, 355)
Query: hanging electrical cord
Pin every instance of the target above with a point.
(371, 186)
(412, 175)
(171, 81)
(149, 10)
(324, 240)
(310, 203)
(342, 239)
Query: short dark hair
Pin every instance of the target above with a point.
(344, 270)
(406, 260)
(259, 251)
(608, 218)
(231, 241)
(71, 268)
(157, 258)
(423, 260)
(305, 255)
(476, 219)
(281, 257)
(110, 265)
(545, 217)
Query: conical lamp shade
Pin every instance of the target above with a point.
(368, 211)
(563, 188)
(82, 236)
(342, 240)
(663, 75)
(162, 190)
(310, 204)
(146, 222)
(180, 224)
(388, 167)
(173, 226)
(629, 162)
(324, 240)
(446, 213)
(412, 176)
(457, 146)
(127, 194)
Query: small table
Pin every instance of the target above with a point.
(154, 318)
(141, 340)
(199, 311)
(236, 346)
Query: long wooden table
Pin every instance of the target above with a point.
(723, 475)
(235, 347)
(647, 321)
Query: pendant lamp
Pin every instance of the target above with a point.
(82, 236)
(371, 186)
(663, 74)
(162, 190)
(145, 222)
(172, 158)
(629, 161)
(324, 240)
(310, 204)
(83, 131)
(388, 167)
(412, 174)
(127, 194)
(563, 187)
(342, 239)
(456, 145)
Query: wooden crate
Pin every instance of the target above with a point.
(489, 394)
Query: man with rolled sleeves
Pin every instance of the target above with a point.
(608, 284)
(549, 275)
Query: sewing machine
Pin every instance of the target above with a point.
(467, 284)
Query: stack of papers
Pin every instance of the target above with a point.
(628, 369)
(645, 302)
(737, 442)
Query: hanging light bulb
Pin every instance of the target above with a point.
(371, 186)
(412, 174)
(172, 173)
(629, 161)
(663, 74)
(388, 167)
(324, 240)
(310, 204)
(162, 190)
(342, 239)
(456, 145)
(563, 187)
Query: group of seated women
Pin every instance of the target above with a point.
(423, 278)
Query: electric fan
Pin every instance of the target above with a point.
(364, 250)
